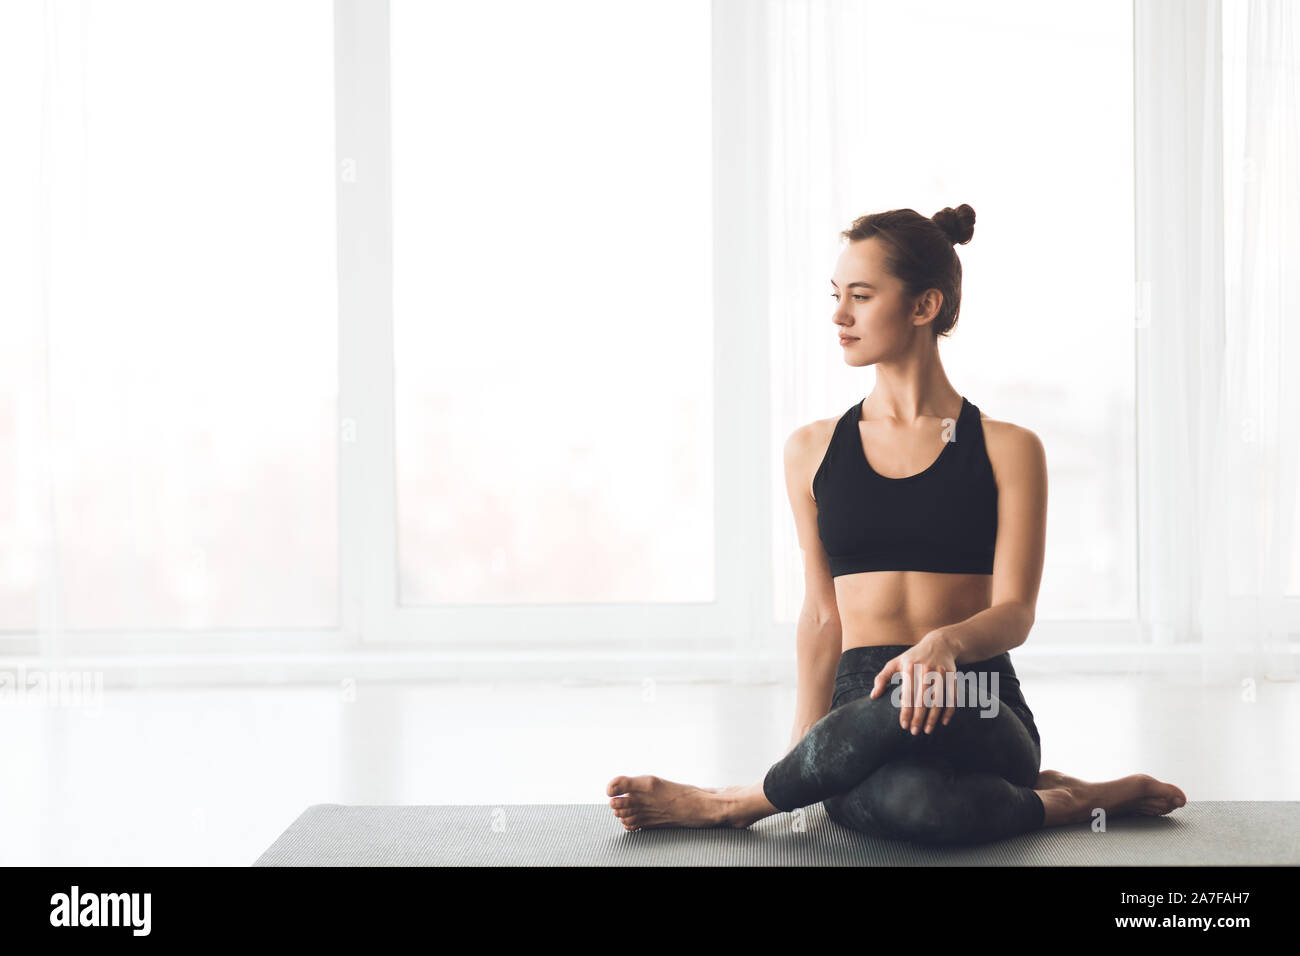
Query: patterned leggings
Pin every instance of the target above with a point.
(968, 782)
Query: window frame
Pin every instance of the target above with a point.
(370, 612)
(739, 623)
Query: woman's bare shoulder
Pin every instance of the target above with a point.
(804, 450)
(1011, 443)
(808, 438)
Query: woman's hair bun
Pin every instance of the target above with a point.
(958, 224)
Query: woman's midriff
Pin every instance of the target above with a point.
(901, 607)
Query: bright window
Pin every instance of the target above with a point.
(553, 302)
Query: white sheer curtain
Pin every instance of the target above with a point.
(1218, 223)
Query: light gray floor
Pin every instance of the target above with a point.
(203, 776)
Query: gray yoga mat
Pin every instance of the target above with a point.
(1206, 833)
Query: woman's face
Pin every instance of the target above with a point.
(873, 316)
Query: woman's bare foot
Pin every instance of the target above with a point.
(1068, 799)
(648, 801)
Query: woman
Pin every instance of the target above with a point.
(923, 528)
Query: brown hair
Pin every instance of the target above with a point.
(920, 252)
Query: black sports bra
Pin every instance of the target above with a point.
(942, 519)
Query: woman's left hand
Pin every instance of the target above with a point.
(931, 655)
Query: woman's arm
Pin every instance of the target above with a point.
(818, 634)
(818, 652)
(1020, 469)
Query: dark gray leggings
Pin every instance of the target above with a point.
(968, 782)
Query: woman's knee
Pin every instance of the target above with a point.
(914, 801)
(847, 810)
